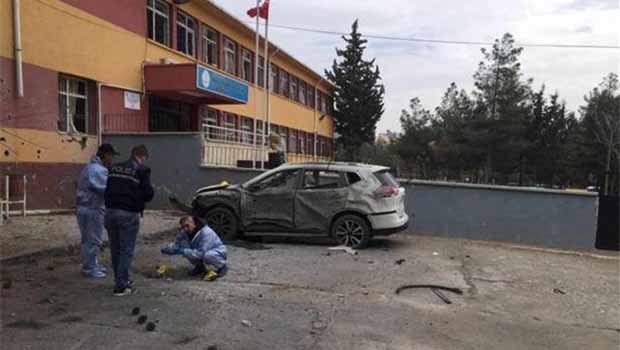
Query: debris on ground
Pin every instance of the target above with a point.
(399, 261)
(135, 311)
(7, 284)
(246, 323)
(435, 253)
(345, 249)
(162, 270)
(212, 347)
(150, 326)
(558, 291)
(441, 295)
(50, 268)
(142, 319)
(430, 286)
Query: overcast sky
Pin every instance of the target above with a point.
(425, 70)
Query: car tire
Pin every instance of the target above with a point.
(352, 231)
(224, 222)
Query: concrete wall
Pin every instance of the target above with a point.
(549, 218)
(175, 163)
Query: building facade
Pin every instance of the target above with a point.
(92, 69)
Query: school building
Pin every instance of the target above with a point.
(75, 73)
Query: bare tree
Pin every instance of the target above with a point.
(607, 133)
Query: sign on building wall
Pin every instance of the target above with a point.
(220, 84)
(132, 100)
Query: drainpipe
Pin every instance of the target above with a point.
(17, 38)
(314, 113)
(99, 116)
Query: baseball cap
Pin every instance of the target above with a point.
(107, 148)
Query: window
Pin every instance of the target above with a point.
(322, 179)
(302, 142)
(230, 124)
(186, 37)
(72, 105)
(246, 65)
(353, 178)
(386, 179)
(209, 123)
(310, 97)
(285, 180)
(157, 16)
(230, 56)
(318, 100)
(310, 144)
(247, 129)
(261, 71)
(302, 92)
(259, 131)
(283, 82)
(330, 105)
(273, 78)
(209, 45)
(292, 145)
(323, 103)
(293, 94)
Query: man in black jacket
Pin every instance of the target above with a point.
(128, 189)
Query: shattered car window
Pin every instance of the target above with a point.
(286, 179)
(319, 179)
(353, 178)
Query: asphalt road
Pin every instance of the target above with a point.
(298, 295)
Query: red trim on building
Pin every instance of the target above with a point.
(128, 14)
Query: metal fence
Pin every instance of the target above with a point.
(234, 148)
(125, 122)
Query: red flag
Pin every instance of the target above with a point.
(262, 10)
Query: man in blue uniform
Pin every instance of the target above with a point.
(201, 246)
(129, 188)
(91, 208)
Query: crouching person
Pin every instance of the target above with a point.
(199, 244)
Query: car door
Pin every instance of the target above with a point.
(268, 205)
(321, 194)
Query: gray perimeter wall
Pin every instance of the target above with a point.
(496, 213)
(499, 213)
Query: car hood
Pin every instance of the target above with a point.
(214, 188)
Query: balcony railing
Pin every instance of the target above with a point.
(234, 148)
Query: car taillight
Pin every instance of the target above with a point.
(386, 192)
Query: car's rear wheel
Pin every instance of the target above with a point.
(352, 231)
(223, 222)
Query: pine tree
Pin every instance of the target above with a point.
(358, 96)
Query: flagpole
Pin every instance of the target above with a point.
(256, 48)
(267, 66)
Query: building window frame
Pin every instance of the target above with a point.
(274, 82)
(260, 79)
(66, 119)
(210, 45)
(230, 56)
(302, 92)
(247, 65)
(186, 34)
(310, 97)
(293, 92)
(284, 81)
(156, 11)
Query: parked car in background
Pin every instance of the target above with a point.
(592, 189)
(347, 201)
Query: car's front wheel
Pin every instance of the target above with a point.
(223, 222)
(352, 231)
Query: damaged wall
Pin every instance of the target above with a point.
(557, 219)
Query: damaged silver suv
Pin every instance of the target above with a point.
(350, 202)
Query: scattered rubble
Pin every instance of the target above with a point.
(142, 319)
(559, 291)
(399, 261)
(246, 323)
(135, 311)
(441, 295)
(345, 249)
(150, 326)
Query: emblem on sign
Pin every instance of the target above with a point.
(205, 78)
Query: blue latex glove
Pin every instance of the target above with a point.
(171, 249)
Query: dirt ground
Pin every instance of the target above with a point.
(295, 294)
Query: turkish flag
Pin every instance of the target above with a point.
(262, 10)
